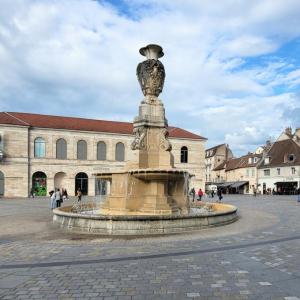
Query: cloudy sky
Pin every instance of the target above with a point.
(232, 66)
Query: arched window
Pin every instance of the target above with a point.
(184, 154)
(81, 150)
(82, 183)
(39, 184)
(39, 147)
(120, 152)
(101, 151)
(61, 149)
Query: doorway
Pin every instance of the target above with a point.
(81, 182)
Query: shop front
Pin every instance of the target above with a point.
(286, 188)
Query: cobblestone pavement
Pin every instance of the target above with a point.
(257, 257)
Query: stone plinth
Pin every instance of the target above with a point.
(146, 192)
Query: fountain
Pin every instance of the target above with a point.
(149, 196)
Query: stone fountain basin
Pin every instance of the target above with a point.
(158, 174)
(131, 224)
(149, 174)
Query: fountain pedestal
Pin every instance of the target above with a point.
(151, 185)
(149, 196)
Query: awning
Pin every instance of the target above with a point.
(225, 184)
(286, 182)
(239, 184)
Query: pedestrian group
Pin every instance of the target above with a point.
(57, 197)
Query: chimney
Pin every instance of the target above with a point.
(297, 133)
(288, 131)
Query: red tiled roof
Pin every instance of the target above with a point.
(71, 123)
(242, 162)
(221, 166)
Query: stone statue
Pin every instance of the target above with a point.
(150, 131)
(151, 72)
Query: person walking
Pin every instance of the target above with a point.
(219, 193)
(32, 193)
(200, 194)
(58, 198)
(79, 195)
(212, 193)
(254, 191)
(52, 200)
(193, 193)
(65, 195)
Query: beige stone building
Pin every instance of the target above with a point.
(215, 157)
(279, 170)
(39, 153)
(241, 174)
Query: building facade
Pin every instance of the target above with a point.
(273, 168)
(241, 174)
(279, 170)
(215, 157)
(39, 153)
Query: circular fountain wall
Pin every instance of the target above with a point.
(88, 222)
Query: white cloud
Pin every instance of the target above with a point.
(79, 57)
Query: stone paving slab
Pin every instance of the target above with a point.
(256, 258)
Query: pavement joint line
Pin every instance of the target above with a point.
(144, 257)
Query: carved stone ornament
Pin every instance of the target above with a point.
(164, 140)
(151, 72)
(139, 138)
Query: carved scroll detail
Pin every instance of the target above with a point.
(139, 139)
(164, 140)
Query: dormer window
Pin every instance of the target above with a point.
(290, 157)
(267, 160)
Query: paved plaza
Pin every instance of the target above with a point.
(257, 257)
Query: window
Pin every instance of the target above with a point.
(290, 157)
(293, 171)
(81, 150)
(247, 172)
(253, 172)
(61, 149)
(278, 171)
(120, 152)
(267, 160)
(39, 147)
(255, 159)
(101, 151)
(184, 154)
(267, 172)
